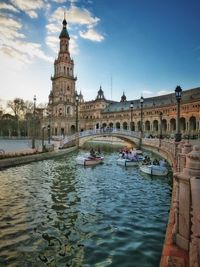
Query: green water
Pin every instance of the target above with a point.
(55, 213)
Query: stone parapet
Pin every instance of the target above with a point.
(182, 241)
(194, 251)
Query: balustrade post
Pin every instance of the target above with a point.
(194, 254)
(179, 156)
(192, 169)
(186, 148)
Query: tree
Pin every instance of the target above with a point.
(17, 106)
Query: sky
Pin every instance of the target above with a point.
(139, 47)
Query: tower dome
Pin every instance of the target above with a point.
(123, 98)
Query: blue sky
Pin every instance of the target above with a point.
(140, 47)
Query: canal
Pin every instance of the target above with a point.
(55, 213)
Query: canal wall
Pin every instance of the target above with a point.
(19, 160)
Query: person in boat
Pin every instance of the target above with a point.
(99, 151)
(133, 156)
(155, 162)
(163, 163)
(92, 153)
(146, 161)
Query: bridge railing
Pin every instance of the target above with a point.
(93, 132)
(109, 131)
(164, 144)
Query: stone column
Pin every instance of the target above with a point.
(194, 254)
(180, 155)
(192, 169)
(185, 149)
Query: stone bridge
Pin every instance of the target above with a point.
(83, 137)
(182, 241)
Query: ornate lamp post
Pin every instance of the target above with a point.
(178, 92)
(48, 130)
(131, 107)
(49, 125)
(161, 114)
(43, 138)
(34, 126)
(77, 133)
(141, 125)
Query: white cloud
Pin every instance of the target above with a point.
(73, 46)
(8, 7)
(92, 35)
(13, 44)
(9, 29)
(29, 7)
(59, 1)
(32, 14)
(53, 28)
(75, 15)
(52, 42)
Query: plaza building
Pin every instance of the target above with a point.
(67, 110)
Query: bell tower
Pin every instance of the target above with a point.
(62, 96)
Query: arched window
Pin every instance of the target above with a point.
(172, 124)
(155, 126)
(111, 125)
(192, 122)
(118, 125)
(147, 126)
(132, 126)
(125, 126)
(182, 124)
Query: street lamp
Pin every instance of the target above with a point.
(49, 127)
(48, 130)
(77, 134)
(43, 138)
(131, 107)
(178, 92)
(34, 126)
(161, 114)
(141, 125)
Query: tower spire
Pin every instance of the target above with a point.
(64, 32)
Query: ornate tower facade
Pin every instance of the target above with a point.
(62, 96)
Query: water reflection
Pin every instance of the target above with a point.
(54, 213)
